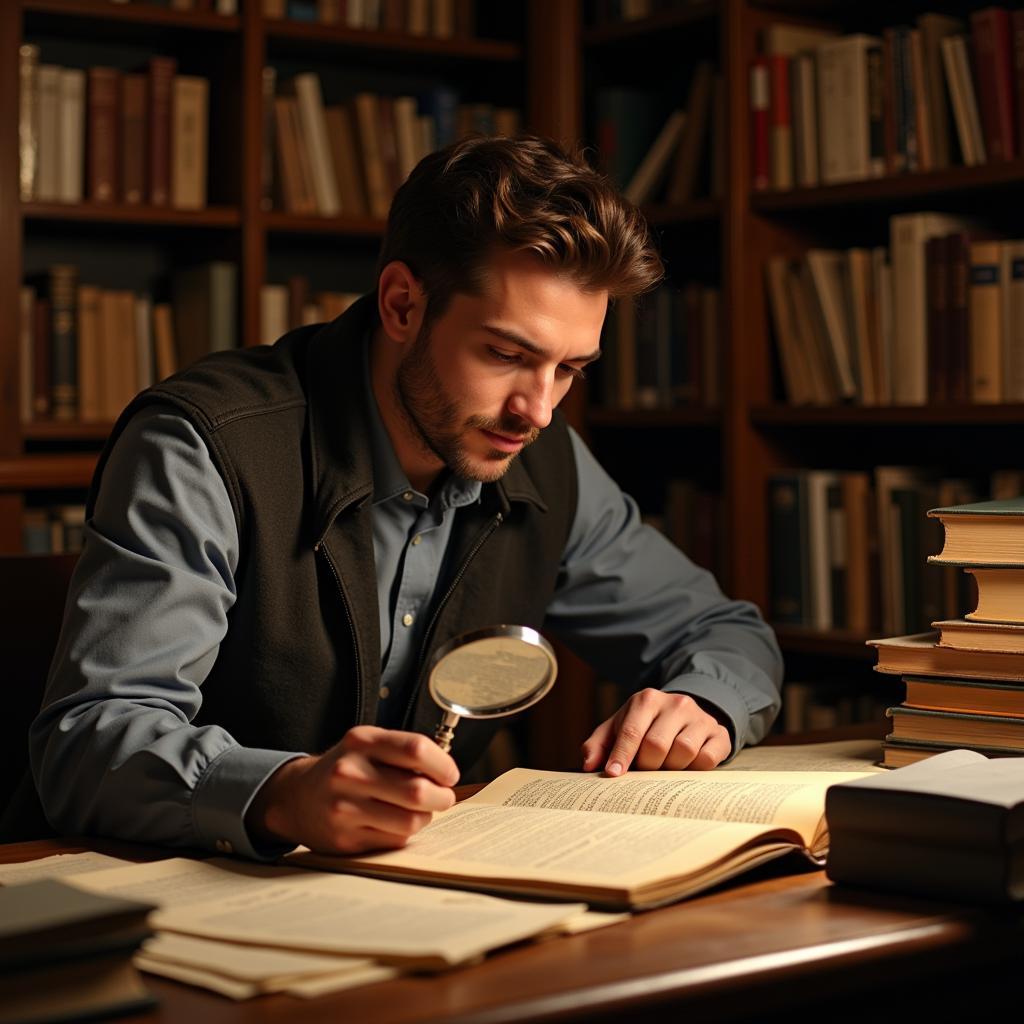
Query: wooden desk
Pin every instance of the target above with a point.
(775, 946)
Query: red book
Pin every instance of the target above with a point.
(161, 78)
(1017, 27)
(993, 75)
(101, 135)
(760, 99)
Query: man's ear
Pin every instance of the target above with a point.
(401, 302)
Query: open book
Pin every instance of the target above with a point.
(637, 841)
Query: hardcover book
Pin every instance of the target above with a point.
(637, 841)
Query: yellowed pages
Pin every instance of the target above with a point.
(60, 865)
(241, 972)
(638, 840)
(265, 905)
(834, 756)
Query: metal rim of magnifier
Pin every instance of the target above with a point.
(525, 633)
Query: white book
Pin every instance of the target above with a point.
(144, 370)
(843, 108)
(1013, 320)
(908, 233)
(190, 104)
(48, 107)
(273, 313)
(71, 145)
(314, 132)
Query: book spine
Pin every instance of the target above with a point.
(993, 75)
(780, 120)
(102, 135)
(985, 323)
(133, 128)
(63, 341)
(760, 148)
(161, 78)
(28, 121)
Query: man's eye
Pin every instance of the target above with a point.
(504, 357)
(572, 371)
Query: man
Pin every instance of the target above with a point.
(278, 538)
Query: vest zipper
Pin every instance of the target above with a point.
(491, 527)
(318, 548)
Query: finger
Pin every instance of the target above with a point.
(352, 813)
(596, 746)
(717, 747)
(639, 712)
(356, 775)
(673, 717)
(408, 750)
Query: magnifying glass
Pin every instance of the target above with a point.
(489, 673)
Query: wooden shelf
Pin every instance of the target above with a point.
(313, 36)
(68, 13)
(58, 430)
(283, 223)
(906, 186)
(665, 21)
(902, 415)
(137, 215)
(31, 472)
(687, 416)
(834, 643)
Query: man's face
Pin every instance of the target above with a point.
(480, 383)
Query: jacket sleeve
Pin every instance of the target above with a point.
(113, 750)
(636, 608)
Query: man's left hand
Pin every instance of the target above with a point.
(653, 730)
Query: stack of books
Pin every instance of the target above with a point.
(965, 682)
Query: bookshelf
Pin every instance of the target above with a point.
(549, 60)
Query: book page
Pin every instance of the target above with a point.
(298, 909)
(834, 756)
(59, 865)
(793, 800)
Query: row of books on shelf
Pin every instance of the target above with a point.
(827, 108)
(284, 307)
(226, 7)
(807, 707)
(849, 550)
(53, 529)
(664, 351)
(112, 136)
(658, 156)
(85, 351)
(439, 19)
(350, 158)
(691, 519)
(938, 317)
(965, 677)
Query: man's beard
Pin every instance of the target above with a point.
(433, 417)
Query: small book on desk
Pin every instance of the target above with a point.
(65, 954)
(951, 826)
(638, 841)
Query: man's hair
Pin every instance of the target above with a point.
(483, 196)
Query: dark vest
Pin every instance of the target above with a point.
(287, 427)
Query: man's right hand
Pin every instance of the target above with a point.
(371, 791)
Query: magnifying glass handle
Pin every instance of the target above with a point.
(445, 731)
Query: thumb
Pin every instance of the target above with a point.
(596, 746)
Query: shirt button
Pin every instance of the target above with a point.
(407, 496)
(416, 540)
(223, 846)
(407, 619)
(384, 693)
